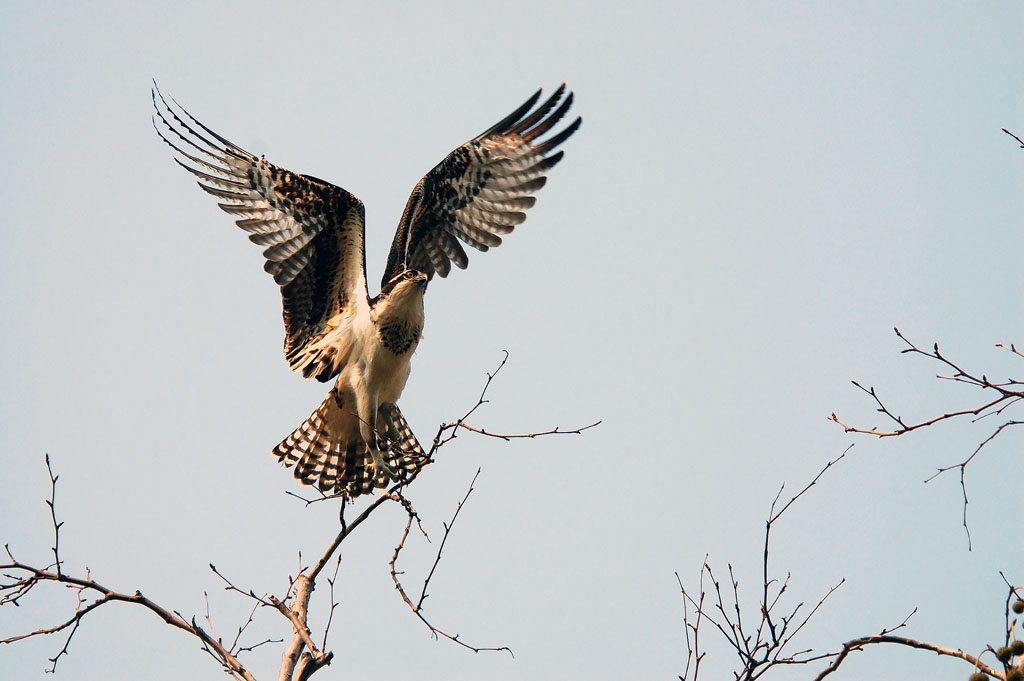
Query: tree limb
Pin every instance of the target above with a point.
(417, 608)
(860, 643)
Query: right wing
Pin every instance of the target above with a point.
(313, 232)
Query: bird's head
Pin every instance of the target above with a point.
(406, 286)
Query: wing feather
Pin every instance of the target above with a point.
(486, 223)
(481, 189)
(269, 237)
(476, 237)
(237, 197)
(250, 210)
(312, 231)
(529, 134)
(512, 193)
(499, 217)
(516, 204)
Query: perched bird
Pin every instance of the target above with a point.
(357, 439)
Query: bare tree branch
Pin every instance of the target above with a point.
(448, 431)
(294, 663)
(417, 608)
(512, 436)
(301, 657)
(25, 577)
(230, 663)
(693, 652)
(860, 643)
(53, 515)
(1000, 397)
(768, 645)
(962, 466)
(334, 602)
(1005, 393)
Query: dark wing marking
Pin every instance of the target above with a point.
(480, 190)
(312, 231)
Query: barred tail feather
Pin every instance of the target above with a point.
(328, 451)
(401, 449)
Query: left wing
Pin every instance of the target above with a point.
(479, 191)
(312, 231)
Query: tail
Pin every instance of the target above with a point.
(328, 451)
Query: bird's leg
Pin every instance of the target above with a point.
(368, 429)
(392, 429)
(380, 465)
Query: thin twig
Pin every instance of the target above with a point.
(108, 595)
(963, 471)
(449, 431)
(231, 587)
(769, 643)
(444, 539)
(51, 502)
(514, 436)
(961, 375)
(417, 608)
(334, 603)
(1007, 394)
(693, 651)
(234, 644)
(24, 577)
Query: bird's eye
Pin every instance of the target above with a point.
(409, 274)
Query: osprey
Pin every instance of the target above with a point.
(357, 439)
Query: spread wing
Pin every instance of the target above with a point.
(480, 190)
(312, 231)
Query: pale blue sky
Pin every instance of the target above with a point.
(758, 194)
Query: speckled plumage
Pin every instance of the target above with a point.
(399, 335)
(313, 238)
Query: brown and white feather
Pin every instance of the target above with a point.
(480, 191)
(328, 452)
(312, 232)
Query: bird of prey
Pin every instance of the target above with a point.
(357, 439)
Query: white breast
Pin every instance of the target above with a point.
(371, 365)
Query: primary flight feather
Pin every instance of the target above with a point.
(357, 439)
